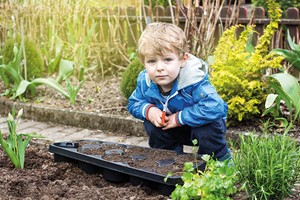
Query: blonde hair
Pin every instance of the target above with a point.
(159, 38)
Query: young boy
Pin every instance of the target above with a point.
(174, 96)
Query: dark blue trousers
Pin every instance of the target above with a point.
(210, 137)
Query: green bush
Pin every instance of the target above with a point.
(284, 4)
(34, 61)
(269, 166)
(129, 77)
(237, 71)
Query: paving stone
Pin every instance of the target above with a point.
(2, 119)
(58, 136)
(42, 125)
(30, 130)
(3, 125)
(133, 140)
(25, 124)
(143, 143)
(70, 129)
(51, 130)
(119, 139)
(75, 136)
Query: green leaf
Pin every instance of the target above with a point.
(9, 151)
(290, 56)
(66, 68)
(290, 89)
(293, 45)
(51, 83)
(270, 100)
(22, 87)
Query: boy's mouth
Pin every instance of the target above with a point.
(161, 76)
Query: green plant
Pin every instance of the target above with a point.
(284, 4)
(237, 72)
(72, 90)
(288, 90)
(20, 86)
(293, 55)
(129, 77)
(34, 61)
(16, 144)
(268, 165)
(153, 3)
(65, 71)
(216, 182)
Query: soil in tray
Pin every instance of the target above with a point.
(154, 160)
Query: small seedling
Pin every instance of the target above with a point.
(15, 145)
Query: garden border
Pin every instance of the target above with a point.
(90, 120)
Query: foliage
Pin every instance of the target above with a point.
(284, 4)
(288, 90)
(16, 144)
(237, 72)
(20, 85)
(90, 36)
(163, 3)
(293, 55)
(216, 182)
(269, 166)
(129, 77)
(34, 61)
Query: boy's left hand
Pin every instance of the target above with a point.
(170, 122)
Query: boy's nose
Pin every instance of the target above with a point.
(160, 66)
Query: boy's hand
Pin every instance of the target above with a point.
(154, 116)
(170, 122)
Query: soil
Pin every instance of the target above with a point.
(44, 179)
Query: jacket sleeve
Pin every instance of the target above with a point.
(208, 107)
(137, 103)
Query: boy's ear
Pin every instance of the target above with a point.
(184, 59)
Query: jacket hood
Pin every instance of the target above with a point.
(194, 71)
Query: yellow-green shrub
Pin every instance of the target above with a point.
(237, 73)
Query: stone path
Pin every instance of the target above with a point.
(59, 133)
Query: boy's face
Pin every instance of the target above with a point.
(164, 69)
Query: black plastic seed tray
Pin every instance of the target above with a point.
(112, 170)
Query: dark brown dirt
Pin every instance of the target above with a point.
(44, 179)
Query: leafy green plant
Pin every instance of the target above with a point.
(16, 144)
(288, 90)
(293, 55)
(129, 77)
(72, 90)
(34, 61)
(216, 182)
(267, 165)
(284, 4)
(237, 72)
(20, 85)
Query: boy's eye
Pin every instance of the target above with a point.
(150, 61)
(168, 59)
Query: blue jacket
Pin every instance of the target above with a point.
(192, 97)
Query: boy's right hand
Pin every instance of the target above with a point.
(154, 116)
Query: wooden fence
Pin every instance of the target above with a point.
(291, 21)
